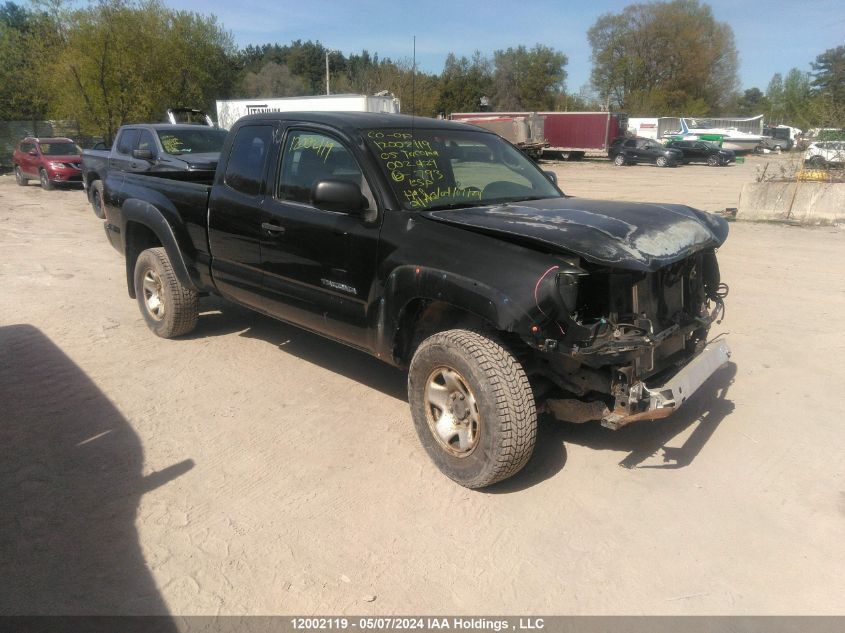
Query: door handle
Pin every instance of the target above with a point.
(273, 228)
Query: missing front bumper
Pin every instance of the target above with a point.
(641, 402)
(663, 401)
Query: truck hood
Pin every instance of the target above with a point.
(207, 161)
(629, 235)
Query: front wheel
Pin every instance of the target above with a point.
(662, 161)
(713, 161)
(45, 180)
(169, 308)
(473, 407)
(22, 180)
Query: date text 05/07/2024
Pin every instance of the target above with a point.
(417, 624)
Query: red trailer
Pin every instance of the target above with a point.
(573, 134)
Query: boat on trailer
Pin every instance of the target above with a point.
(731, 138)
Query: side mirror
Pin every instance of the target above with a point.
(340, 196)
(551, 176)
(143, 154)
(33, 152)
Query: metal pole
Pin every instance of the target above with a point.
(328, 92)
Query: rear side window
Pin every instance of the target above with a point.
(631, 143)
(247, 158)
(127, 141)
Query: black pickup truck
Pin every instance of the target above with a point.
(153, 148)
(440, 248)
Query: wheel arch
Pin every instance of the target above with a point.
(91, 177)
(419, 302)
(145, 227)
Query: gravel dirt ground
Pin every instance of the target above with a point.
(253, 468)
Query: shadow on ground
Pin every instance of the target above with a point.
(70, 483)
(705, 410)
(641, 440)
(219, 317)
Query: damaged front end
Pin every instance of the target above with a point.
(628, 345)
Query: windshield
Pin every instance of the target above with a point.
(443, 168)
(60, 149)
(199, 141)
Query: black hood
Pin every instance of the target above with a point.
(630, 235)
(207, 161)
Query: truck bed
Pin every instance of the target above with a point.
(181, 197)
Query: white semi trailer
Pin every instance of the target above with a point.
(231, 110)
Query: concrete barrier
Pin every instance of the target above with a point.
(805, 202)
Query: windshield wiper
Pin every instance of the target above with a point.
(526, 198)
(456, 205)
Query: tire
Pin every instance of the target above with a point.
(817, 162)
(713, 161)
(489, 399)
(169, 308)
(97, 199)
(22, 180)
(46, 185)
(778, 149)
(662, 161)
(619, 160)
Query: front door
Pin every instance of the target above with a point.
(29, 163)
(319, 265)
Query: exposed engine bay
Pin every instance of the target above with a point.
(624, 330)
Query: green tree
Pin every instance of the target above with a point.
(774, 95)
(308, 60)
(797, 93)
(664, 58)
(120, 61)
(15, 17)
(23, 34)
(526, 79)
(273, 80)
(829, 73)
(750, 103)
(464, 82)
(828, 86)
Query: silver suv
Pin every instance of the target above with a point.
(825, 154)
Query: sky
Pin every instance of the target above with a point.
(771, 36)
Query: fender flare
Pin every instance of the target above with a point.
(409, 283)
(149, 216)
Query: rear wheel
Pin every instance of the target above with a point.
(169, 308)
(619, 160)
(662, 161)
(45, 180)
(97, 199)
(22, 180)
(473, 407)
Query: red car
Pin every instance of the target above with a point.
(48, 160)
